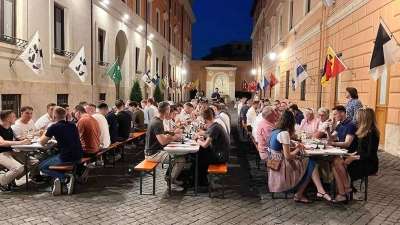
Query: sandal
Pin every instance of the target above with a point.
(323, 196)
(352, 190)
(346, 201)
(299, 200)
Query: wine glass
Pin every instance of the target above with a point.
(29, 136)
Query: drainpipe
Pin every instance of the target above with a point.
(322, 55)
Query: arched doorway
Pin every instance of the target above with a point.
(121, 45)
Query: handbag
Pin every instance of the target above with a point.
(274, 164)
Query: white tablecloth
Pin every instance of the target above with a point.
(181, 149)
(333, 151)
(34, 146)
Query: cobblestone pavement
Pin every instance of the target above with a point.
(111, 196)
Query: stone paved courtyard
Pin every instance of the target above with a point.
(111, 196)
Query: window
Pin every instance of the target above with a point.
(157, 62)
(7, 17)
(307, 7)
(158, 21)
(11, 102)
(287, 84)
(102, 96)
(290, 14)
(62, 98)
(137, 9)
(248, 47)
(280, 27)
(59, 27)
(101, 38)
(303, 87)
(239, 47)
(137, 59)
(148, 12)
(165, 29)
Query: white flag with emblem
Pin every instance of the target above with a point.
(78, 64)
(33, 56)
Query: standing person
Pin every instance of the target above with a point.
(15, 169)
(47, 118)
(364, 162)
(353, 104)
(155, 142)
(70, 150)
(215, 96)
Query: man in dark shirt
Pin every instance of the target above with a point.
(138, 122)
(215, 96)
(298, 115)
(156, 140)
(345, 131)
(69, 146)
(130, 112)
(246, 108)
(7, 159)
(124, 121)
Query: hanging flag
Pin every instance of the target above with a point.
(272, 81)
(33, 55)
(196, 84)
(335, 66)
(115, 72)
(386, 51)
(156, 79)
(300, 74)
(265, 83)
(78, 64)
(245, 86)
(165, 81)
(329, 2)
(169, 82)
(147, 80)
(324, 79)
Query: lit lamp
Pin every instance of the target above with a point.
(253, 71)
(272, 56)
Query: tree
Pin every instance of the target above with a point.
(136, 92)
(158, 95)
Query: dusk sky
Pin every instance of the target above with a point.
(218, 22)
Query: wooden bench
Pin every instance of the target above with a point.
(147, 167)
(217, 170)
(365, 181)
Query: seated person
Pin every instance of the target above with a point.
(125, 122)
(214, 148)
(245, 108)
(156, 140)
(47, 118)
(70, 150)
(364, 162)
(169, 123)
(111, 121)
(309, 124)
(301, 169)
(187, 115)
(223, 121)
(252, 114)
(297, 113)
(7, 155)
(270, 116)
(66, 107)
(323, 123)
(138, 122)
(101, 120)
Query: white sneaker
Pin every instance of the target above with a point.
(175, 187)
(70, 184)
(56, 187)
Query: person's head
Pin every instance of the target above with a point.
(283, 106)
(286, 122)
(339, 113)
(169, 98)
(294, 109)
(188, 107)
(277, 104)
(143, 103)
(309, 114)
(8, 118)
(59, 113)
(270, 114)
(172, 112)
(256, 104)
(50, 108)
(103, 108)
(164, 109)
(119, 104)
(179, 108)
(208, 115)
(79, 111)
(291, 103)
(323, 114)
(351, 93)
(366, 121)
(127, 103)
(26, 113)
(250, 103)
(216, 108)
(90, 108)
(216, 90)
(83, 103)
(65, 106)
(244, 99)
(133, 105)
(150, 102)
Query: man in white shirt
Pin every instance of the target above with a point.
(187, 114)
(25, 125)
(240, 105)
(255, 124)
(47, 118)
(154, 111)
(252, 114)
(102, 121)
(147, 111)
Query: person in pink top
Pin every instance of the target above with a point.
(270, 116)
(309, 124)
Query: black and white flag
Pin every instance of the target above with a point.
(78, 64)
(147, 79)
(33, 56)
(386, 52)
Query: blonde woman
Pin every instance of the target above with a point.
(363, 162)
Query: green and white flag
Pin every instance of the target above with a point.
(115, 72)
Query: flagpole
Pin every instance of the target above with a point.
(64, 68)
(340, 59)
(91, 48)
(391, 33)
(20, 52)
(313, 80)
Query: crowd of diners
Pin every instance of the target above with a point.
(88, 128)
(279, 127)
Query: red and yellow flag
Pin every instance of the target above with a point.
(333, 66)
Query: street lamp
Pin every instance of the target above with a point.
(253, 71)
(272, 56)
(183, 71)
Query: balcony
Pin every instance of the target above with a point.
(13, 41)
(63, 53)
(102, 63)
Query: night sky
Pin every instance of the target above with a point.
(219, 22)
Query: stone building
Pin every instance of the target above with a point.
(303, 29)
(142, 34)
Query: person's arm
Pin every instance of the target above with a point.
(44, 139)
(164, 139)
(284, 138)
(204, 144)
(345, 144)
(4, 143)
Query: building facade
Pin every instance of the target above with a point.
(141, 34)
(303, 29)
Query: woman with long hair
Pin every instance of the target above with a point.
(293, 172)
(364, 162)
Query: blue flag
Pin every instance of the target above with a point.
(266, 83)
